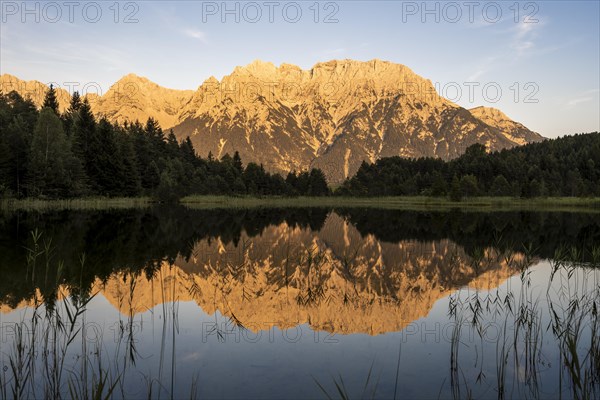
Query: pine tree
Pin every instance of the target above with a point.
(172, 145)
(50, 157)
(105, 168)
(72, 112)
(153, 128)
(130, 180)
(237, 162)
(187, 149)
(83, 138)
(84, 128)
(18, 117)
(50, 100)
(18, 141)
(317, 183)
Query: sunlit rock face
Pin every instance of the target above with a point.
(134, 98)
(333, 116)
(34, 90)
(335, 280)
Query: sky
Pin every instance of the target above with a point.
(537, 61)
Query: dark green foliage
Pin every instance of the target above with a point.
(72, 112)
(469, 186)
(106, 170)
(94, 157)
(171, 182)
(567, 166)
(317, 183)
(501, 187)
(90, 157)
(50, 100)
(51, 161)
(83, 137)
(439, 187)
(237, 162)
(17, 120)
(455, 191)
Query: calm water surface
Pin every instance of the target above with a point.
(299, 303)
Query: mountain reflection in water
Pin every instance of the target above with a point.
(343, 271)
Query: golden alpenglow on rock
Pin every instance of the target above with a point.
(338, 113)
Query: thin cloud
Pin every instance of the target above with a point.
(195, 34)
(574, 102)
(524, 35)
(521, 43)
(584, 97)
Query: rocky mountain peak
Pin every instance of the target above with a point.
(34, 90)
(489, 113)
(333, 116)
(513, 130)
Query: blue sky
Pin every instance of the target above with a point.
(543, 56)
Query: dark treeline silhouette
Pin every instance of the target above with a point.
(139, 240)
(567, 166)
(47, 154)
(52, 155)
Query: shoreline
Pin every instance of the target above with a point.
(392, 203)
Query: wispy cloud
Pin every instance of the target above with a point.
(483, 67)
(195, 34)
(521, 41)
(573, 102)
(584, 97)
(524, 35)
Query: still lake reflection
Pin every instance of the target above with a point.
(299, 303)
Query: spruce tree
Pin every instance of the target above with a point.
(188, 150)
(130, 184)
(172, 145)
(50, 100)
(317, 183)
(84, 128)
(72, 112)
(105, 168)
(237, 162)
(50, 157)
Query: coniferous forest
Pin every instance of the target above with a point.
(567, 166)
(48, 154)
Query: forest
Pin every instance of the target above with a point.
(566, 166)
(47, 154)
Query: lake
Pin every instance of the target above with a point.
(299, 303)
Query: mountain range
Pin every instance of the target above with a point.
(333, 116)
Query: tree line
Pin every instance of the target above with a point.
(48, 154)
(566, 166)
